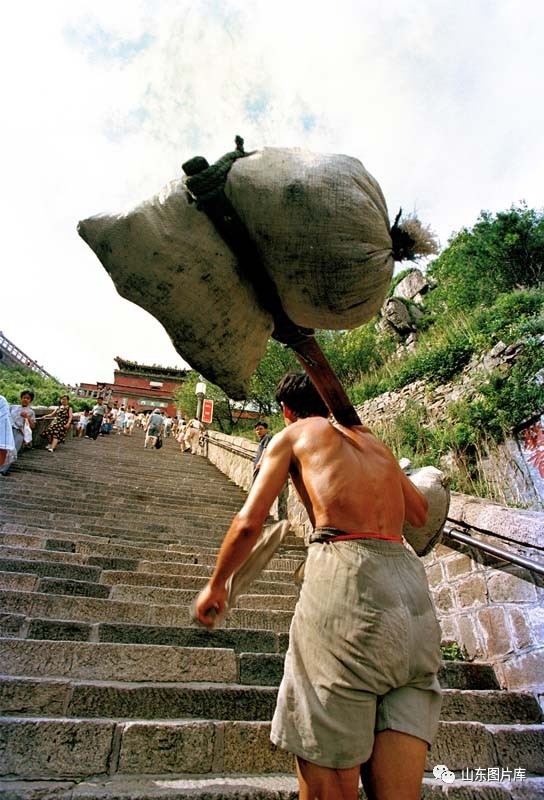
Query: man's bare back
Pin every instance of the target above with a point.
(348, 479)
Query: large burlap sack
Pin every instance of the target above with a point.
(166, 256)
(434, 485)
(321, 226)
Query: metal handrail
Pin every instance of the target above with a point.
(498, 552)
(474, 528)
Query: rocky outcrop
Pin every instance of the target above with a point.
(413, 287)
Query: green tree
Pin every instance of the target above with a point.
(47, 391)
(227, 415)
(277, 360)
(499, 253)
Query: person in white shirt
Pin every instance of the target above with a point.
(153, 429)
(121, 420)
(130, 421)
(192, 434)
(21, 416)
(8, 453)
(182, 427)
(82, 422)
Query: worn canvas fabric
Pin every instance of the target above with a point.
(321, 228)
(263, 551)
(166, 256)
(364, 652)
(434, 485)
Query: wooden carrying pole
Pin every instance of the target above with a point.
(222, 213)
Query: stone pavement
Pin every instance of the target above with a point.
(109, 691)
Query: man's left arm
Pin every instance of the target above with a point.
(246, 526)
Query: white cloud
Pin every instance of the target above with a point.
(105, 100)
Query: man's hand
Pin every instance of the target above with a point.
(209, 603)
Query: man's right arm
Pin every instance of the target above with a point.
(246, 525)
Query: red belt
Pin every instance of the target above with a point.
(325, 535)
(345, 536)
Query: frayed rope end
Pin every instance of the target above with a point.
(412, 239)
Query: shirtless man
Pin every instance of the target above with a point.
(359, 696)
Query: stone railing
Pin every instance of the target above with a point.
(493, 610)
(233, 455)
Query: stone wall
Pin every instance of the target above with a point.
(389, 405)
(507, 468)
(234, 455)
(493, 610)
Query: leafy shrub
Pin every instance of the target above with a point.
(501, 252)
(453, 651)
(47, 391)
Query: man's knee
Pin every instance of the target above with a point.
(326, 783)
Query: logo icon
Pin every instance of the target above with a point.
(442, 773)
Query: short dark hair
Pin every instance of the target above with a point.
(261, 424)
(29, 392)
(64, 395)
(299, 394)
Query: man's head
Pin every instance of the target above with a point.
(296, 392)
(27, 396)
(261, 429)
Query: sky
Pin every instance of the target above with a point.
(104, 100)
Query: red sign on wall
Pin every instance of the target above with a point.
(207, 411)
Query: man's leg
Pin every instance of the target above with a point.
(395, 768)
(322, 783)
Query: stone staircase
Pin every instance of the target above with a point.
(109, 691)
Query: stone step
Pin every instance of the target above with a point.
(136, 700)
(42, 554)
(129, 593)
(187, 485)
(50, 569)
(242, 787)
(160, 700)
(202, 529)
(261, 649)
(18, 581)
(199, 516)
(69, 587)
(177, 578)
(93, 610)
(225, 496)
(280, 572)
(104, 661)
(88, 544)
(82, 747)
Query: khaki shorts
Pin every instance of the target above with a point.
(363, 655)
